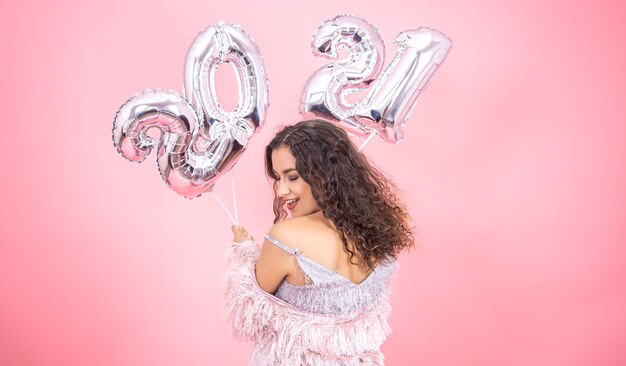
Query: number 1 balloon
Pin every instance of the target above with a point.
(199, 141)
(389, 104)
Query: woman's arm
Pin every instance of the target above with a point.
(251, 312)
(272, 267)
(273, 264)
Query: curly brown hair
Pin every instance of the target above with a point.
(359, 199)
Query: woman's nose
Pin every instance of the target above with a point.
(281, 188)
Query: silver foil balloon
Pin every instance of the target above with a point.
(215, 46)
(388, 105)
(324, 94)
(199, 140)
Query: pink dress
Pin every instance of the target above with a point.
(328, 321)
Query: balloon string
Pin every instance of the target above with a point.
(232, 176)
(367, 140)
(224, 207)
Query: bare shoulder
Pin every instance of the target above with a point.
(288, 232)
(300, 232)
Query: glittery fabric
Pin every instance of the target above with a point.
(328, 321)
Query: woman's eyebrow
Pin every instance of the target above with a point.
(288, 170)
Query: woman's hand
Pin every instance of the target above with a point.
(240, 234)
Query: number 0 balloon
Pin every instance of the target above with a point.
(199, 141)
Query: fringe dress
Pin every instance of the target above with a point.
(327, 321)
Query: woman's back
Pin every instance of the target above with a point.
(324, 278)
(317, 239)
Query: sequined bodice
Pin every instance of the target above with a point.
(328, 292)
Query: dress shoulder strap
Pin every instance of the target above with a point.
(282, 246)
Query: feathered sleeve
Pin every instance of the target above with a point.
(249, 312)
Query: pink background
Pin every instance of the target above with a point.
(514, 167)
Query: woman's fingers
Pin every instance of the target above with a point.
(246, 234)
(240, 234)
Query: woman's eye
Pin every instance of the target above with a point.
(292, 178)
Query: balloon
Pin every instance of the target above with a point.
(390, 102)
(200, 141)
(216, 45)
(387, 106)
(325, 91)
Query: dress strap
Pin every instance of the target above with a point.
(281, 245)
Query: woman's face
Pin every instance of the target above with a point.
(291, 189)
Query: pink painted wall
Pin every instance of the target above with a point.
(514, 167)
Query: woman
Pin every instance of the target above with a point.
(317, 291)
